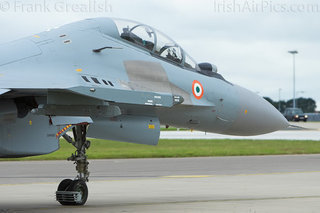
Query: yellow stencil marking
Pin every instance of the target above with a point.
(36, 36)
(246, 112)
(79, 70)
(151, 126)
(30, 122)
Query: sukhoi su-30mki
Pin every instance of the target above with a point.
(118, 80)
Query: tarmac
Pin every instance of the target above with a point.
(248, 184)
(218, 184)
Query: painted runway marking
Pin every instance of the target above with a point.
(187, 176)
(170, 177)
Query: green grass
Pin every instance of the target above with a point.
(102, 149)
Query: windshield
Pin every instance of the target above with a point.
(138, 34)
(297, 111)
(168, 49)
(154, 41)
(294, 111)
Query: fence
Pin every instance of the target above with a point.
(313, 116)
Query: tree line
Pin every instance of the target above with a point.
(307, 105)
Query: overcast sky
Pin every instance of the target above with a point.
(247, 40)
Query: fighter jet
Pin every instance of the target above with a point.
(113, 79)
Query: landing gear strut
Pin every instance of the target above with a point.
(75, 192)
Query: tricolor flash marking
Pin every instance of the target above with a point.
(62, 131)
(197, 89)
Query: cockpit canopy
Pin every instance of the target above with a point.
(154, 41)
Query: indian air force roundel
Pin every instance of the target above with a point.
(197, 89)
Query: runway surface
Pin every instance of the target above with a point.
(219, 184)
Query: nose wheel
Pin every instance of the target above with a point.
(72, 192)
(75, 192)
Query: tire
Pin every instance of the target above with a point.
(63, 186)
(79, 186)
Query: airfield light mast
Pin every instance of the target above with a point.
(294, 52)
(279, 106)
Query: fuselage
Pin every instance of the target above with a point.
(63, 58)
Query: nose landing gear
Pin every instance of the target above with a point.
(75, 192)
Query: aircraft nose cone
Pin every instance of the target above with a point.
(256, 115)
